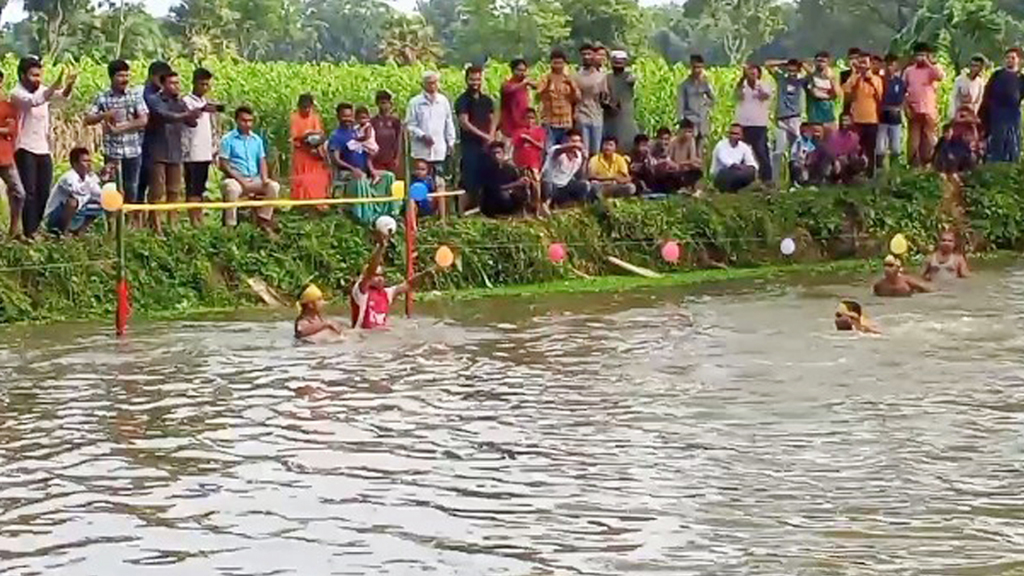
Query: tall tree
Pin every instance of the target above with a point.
(409, 40)
(345, 29)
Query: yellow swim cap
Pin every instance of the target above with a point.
(311, 294)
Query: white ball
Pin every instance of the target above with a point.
(386, 225)
(787, 246)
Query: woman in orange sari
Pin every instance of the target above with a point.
(310, 176)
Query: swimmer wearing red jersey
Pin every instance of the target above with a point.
(371, 299)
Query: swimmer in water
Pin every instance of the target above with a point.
(946, 263)
(371, 299)
(896, 283)
(310, 322)
(850, 317)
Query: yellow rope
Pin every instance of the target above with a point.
(175, 206)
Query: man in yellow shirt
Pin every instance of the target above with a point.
(609, 171)
(864, 90)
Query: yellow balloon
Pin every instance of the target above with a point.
(111, 200)
(444, 257)
(398, 189)
(898, 245)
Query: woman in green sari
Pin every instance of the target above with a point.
(351, 148)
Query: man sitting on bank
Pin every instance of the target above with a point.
(75, 200)
(243, 160)
(609, 171)
(732, 164)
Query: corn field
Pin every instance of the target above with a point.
(272, 89)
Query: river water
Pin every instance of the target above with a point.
(730, 431)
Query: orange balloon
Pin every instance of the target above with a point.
(111, 200)
(444, 257)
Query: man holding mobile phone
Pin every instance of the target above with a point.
(197, 141)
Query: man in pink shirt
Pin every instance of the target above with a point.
(922, 78)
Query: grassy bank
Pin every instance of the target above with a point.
(207, 267)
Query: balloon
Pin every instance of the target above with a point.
(418, 191)
(444, 257)
(671, 251)
(898, 245)
(110, 199)
(787, 246)
(398, 189)
(386, 225)
(556, 252)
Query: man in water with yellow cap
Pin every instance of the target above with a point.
(849, 316)
(311, 324)
(896, 283)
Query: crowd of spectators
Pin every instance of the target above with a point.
(561, 139)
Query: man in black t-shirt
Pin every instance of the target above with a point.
(505, 189)
(475, 113)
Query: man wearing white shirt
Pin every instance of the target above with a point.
(968, 88)
(733, 165)
(431, 124)
(32, 146)
(197, 142)
(75, 200)
(753, 111)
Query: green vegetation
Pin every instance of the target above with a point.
(459, 31)
(207, 267)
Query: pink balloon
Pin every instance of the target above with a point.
(556, 252)
(671, 251)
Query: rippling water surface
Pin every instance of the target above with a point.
(648, 433)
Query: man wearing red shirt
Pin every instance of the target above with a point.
(515, 99)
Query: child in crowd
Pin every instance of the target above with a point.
(366, 137)
(896, 283)
(528, 146)
(310, 324)
(421, 174)
(946, 262)
(849, 316)
(802, 157)
(953, 154)
(641, 164)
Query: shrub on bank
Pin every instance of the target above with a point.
(204, 267)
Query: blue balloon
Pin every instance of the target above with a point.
(418, 191)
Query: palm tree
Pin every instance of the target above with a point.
(409, 40)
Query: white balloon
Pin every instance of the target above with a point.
(788, 246)
(386, 225)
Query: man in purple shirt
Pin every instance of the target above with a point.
(844, 152)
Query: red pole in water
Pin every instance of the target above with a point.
(123, 309)
(410, 226)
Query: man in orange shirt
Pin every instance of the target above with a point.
(558, 94)
(8, 171)
(864, 90)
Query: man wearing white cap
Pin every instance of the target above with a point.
(430, 123)
(619, 120)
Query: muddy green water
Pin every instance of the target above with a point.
(654, 432)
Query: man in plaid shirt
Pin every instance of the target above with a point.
(123, 114)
